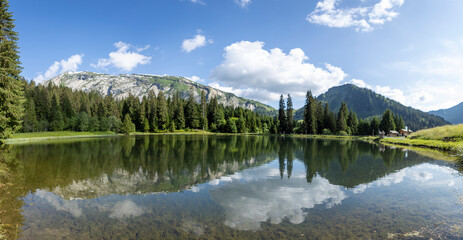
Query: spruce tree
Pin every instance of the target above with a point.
(203, 111)
(320, 116)
(310, 120)
(11, 87)
(179, 115)
(281, 116)
(57, 122)
(289, 115)
(191, 113)
(399, 122)
(375, 125)
(161, 116)
(353, 123)
(387, 122)
(30, 117)
(343, 114)
(127, 126)
(241, 124)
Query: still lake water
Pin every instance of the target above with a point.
(227, 187)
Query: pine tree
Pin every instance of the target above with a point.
(152, 110)
(146, 125)
(162, 118)
(241, 124)
(399, 122)
(387, 122)
(310, 120)
(11, 87)
(191, 113)
(179, 115)
(30, 117)
(203, 111)
(128, 126)
(289, 115)
(353, 123)
(375, 125)
(282, 115)
(341, 124)
(57, 122)
(320, 116)
(329, 121)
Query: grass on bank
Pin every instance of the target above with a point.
(440, 133)
(59, 134)
(446, 138)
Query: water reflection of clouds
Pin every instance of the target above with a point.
(423, 173)
(117, 210)
(257, 195)
(125, 209)
(71, 206)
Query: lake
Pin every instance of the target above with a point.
(227, 187)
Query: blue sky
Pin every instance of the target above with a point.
(408, 50)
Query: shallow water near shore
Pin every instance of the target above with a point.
(227, 187)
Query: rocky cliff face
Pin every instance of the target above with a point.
(139, 85)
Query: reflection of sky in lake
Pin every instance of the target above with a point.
(253, 196)
(256, 195)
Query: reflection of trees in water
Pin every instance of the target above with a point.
(179, 160)
(10, 205)
(350, 163)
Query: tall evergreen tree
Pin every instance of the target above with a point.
(56, 121)
(289, 115)
(399, 122)
(387, 122)
(128, 126)
(353, 123)
(30, 117)
(320, 115)
(162, 118)
(375, 125)
(310, 120)
(191, 113)
(329, 122)
(11, 87)
(203, 111)
(282, 115)
(341, 124)
(152, 110)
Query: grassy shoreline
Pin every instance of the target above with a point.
(447, 139)
(447, 147)
(426, 139)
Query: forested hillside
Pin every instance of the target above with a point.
(57, 108)
(366, 104)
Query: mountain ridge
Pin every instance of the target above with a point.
(453, 114)
(139, 85)
(367, 103)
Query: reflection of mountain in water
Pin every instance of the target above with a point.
(99, 167)
(147, 164)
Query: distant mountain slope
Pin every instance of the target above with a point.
(120, 86)
(366, 103)
(453, 114)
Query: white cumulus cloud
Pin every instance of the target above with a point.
(392, 93)
(197, 1)
(69, 65)
(361, 18)
(124, 58)
(197, 41)
(243, 3)
(196, 79)
(249, 70)
(436, 79)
